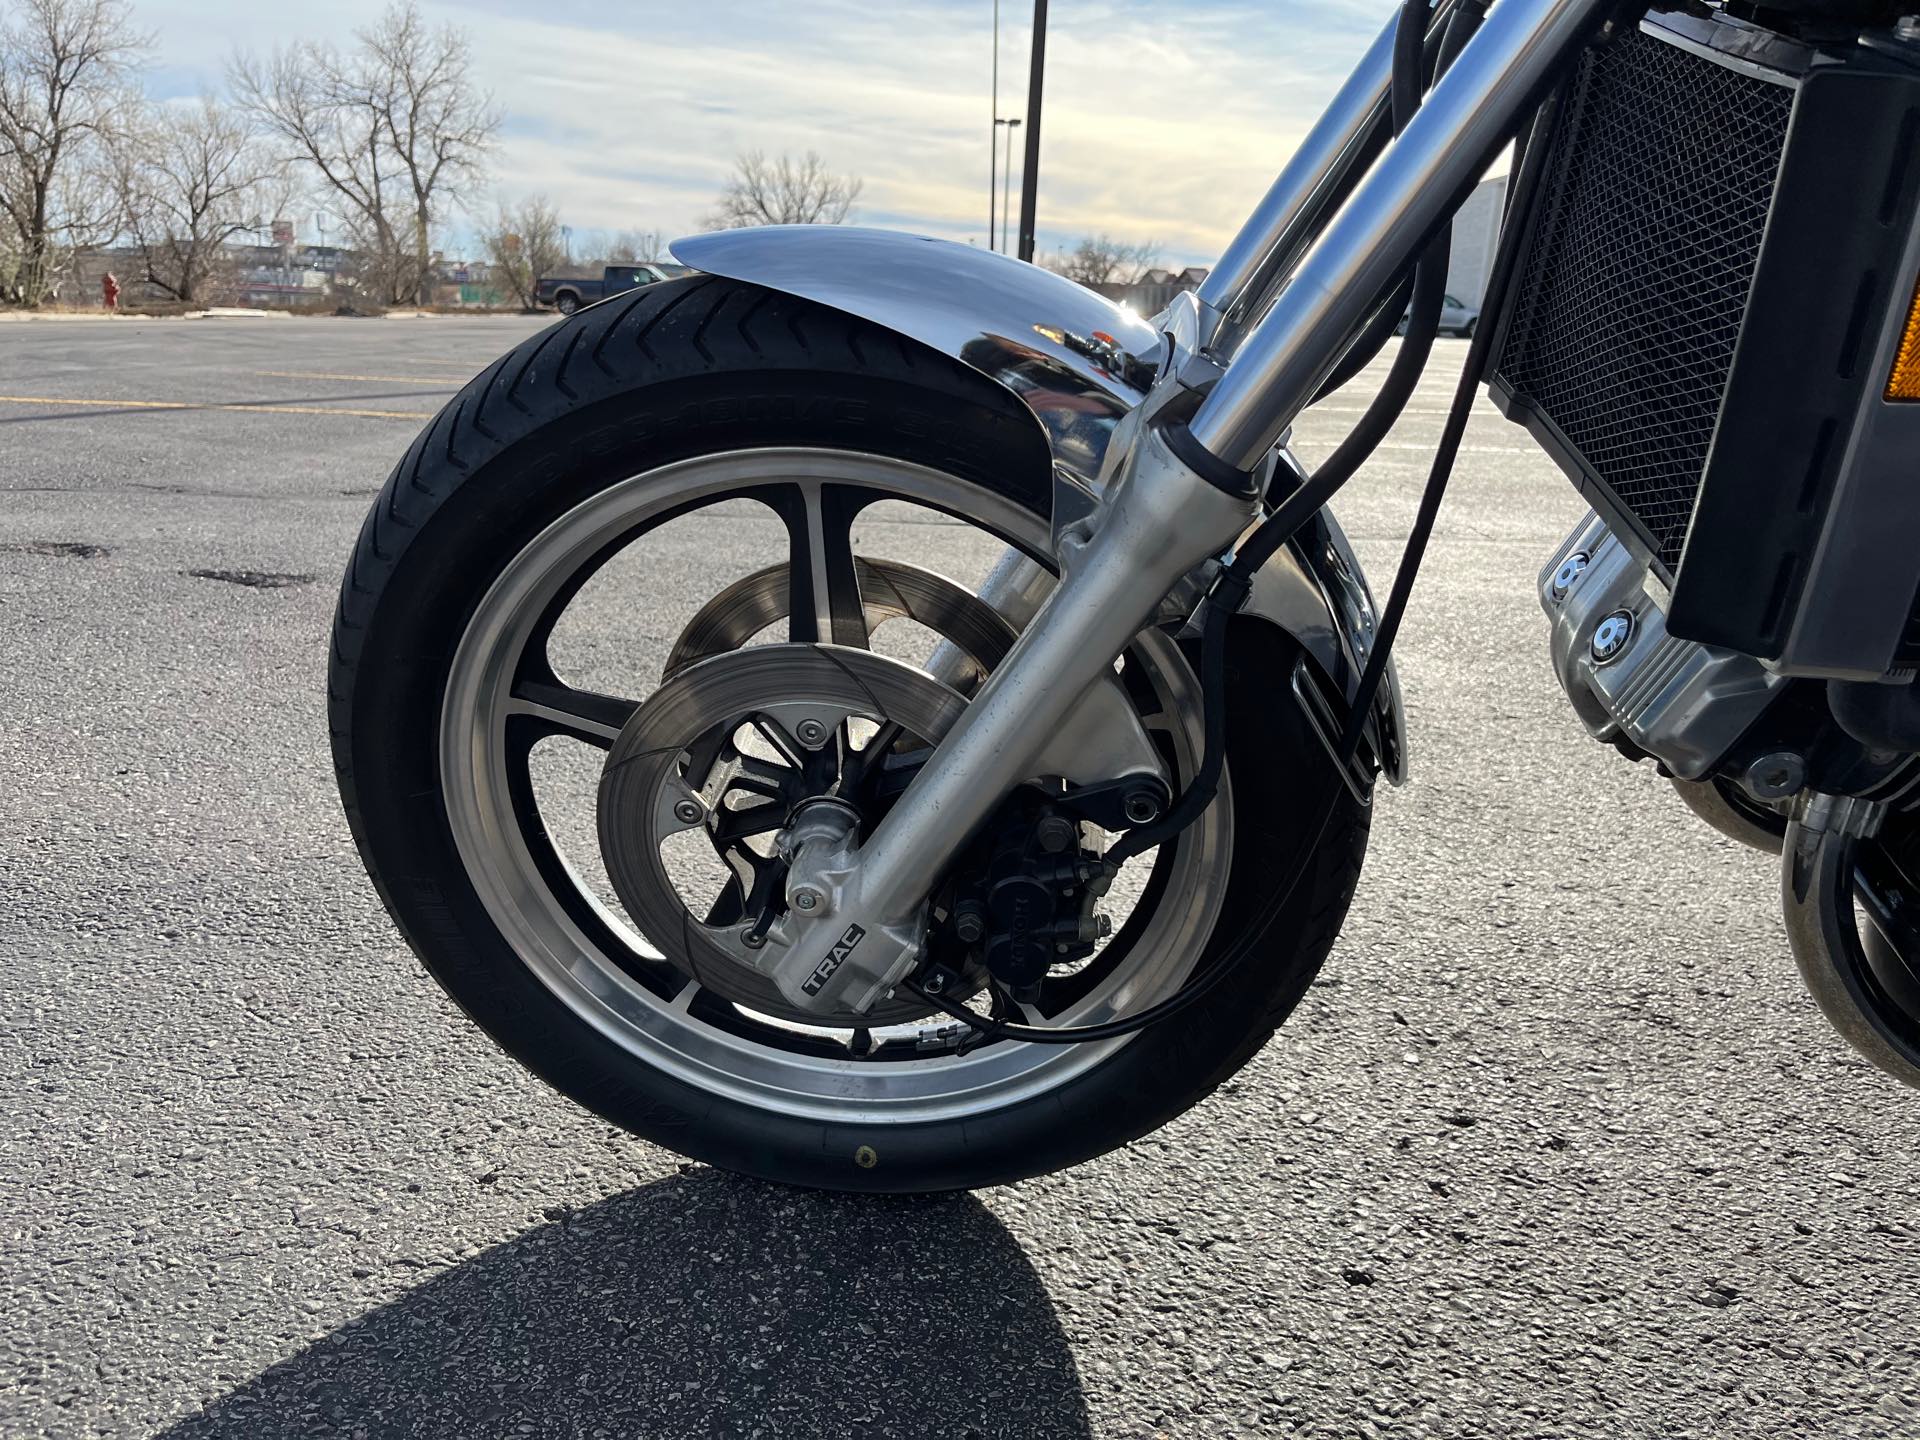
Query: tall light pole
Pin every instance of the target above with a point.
(1030, 174)
(996, 120)
(1006, 181)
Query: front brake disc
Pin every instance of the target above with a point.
(889, 590)
(675, 764)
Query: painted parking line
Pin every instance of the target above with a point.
(1467, 449)
(382, 379)
(241, 409)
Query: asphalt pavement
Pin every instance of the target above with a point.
(1556, 1147)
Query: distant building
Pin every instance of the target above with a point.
(1154, 290)
(284, 276)
(1476, 230)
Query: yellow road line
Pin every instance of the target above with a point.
(238, 409)
(381, 379)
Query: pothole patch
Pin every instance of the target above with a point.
(60, 549)
(253, 579)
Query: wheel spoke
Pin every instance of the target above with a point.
(730, 825)
(824, 589)
(863, 762)
(562, 710)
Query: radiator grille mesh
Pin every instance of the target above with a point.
(1634, 284)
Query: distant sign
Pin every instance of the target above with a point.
(283, 232)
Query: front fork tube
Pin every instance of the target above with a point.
(1160, 521)
(1164, 516)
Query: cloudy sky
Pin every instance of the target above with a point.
(1165, 119)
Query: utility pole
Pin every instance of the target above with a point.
(1006, 182)
(991, 129)
(1030, 175)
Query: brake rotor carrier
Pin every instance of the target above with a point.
(798, 698)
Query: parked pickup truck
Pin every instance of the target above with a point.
(567, 293)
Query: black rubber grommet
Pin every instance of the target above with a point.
(1208, 466)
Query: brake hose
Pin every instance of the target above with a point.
(1405, 100)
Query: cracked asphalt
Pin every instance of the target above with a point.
(1556, 1147)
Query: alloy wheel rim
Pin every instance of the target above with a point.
(622, 985)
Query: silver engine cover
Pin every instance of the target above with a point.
(1681, 702)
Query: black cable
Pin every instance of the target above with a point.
(1406, 79)
(1235, 579)
(1229, 593)
(1430, 285)
(1479, 351)
(1372, 339)
(1437, 58)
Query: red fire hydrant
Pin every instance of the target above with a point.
(110, 290)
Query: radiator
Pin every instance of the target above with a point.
(1719, 256)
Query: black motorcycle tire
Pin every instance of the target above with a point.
(687, 367)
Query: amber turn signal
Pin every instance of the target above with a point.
(1904, 383)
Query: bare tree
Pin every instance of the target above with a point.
(1103, 260)
(785, 191)
(396, 128)
(596, 248)
(631, 247)
(522, 244)
(191, 177)
(66, 69)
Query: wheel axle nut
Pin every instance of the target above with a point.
(1142, 808)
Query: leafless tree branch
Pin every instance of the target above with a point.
(396, 128)
(783, 191)
(190, 178)
(1103, 260)
(522, 244)
(66, 72)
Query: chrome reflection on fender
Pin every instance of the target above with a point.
(1083, 365)
(1681, 702)
(1077, 360)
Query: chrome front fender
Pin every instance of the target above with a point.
(1081, 365)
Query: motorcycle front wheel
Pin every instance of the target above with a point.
(564, 539)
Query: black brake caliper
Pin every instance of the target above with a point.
(1024, 899)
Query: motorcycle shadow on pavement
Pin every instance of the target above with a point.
(702, 1304)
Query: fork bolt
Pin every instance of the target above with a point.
(1055, 833)
(969, 922)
